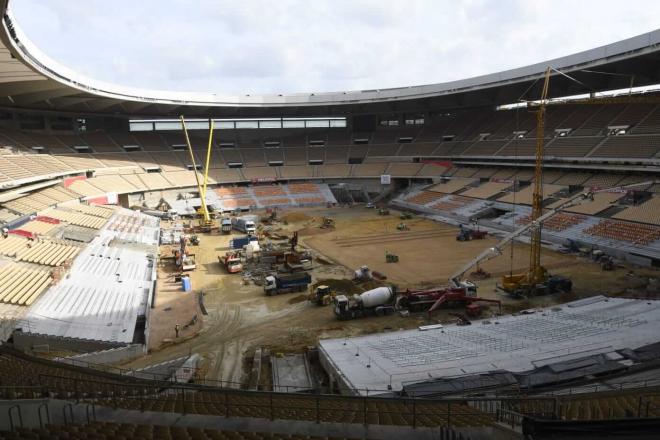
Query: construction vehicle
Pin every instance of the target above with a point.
(402, 227)
(240, 242)
(383, 211)
(284, 283)
(467, 234)
(363, 274)
(379, 301)
(194, 240)
(322, 295)
(406, 216)
(391, 258)
(327, 223)
(231, 262)
(225, 225)
(246, 223)
(183, 259)
(206, 224)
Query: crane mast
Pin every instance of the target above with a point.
(206, 221)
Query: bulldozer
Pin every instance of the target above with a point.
(322, 295)
(391, 258)
(383, 211)
(406, 216)
(402, 227)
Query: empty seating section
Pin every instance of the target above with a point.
(242, 203)
(632, 114)
(334, 170)
(97, 211)
(647, 212)
(112, 183)
(256, 173)
(181, 178)
(384, 150)
(12, 245)
(651, 123)
(22, 285)
(85, 189)
(524, 196)
(111, 431)
(253, 157)
(124, 139)
(80, 161)
(602, 181)
(600, 202)
(557, 222)
(336, 154)
(504, 174)
(520, 147)
(369, 169)
(638, 234)
(418, 149)
(150, 141)
(117, 160)
(100, 142)
(231, 191)
(297, 172)
(451, 203)
(231, 155)
(424, 197)
(465, 172)
(451, 185)
(295, 156)
(598, 122)
(628, 146)
(487, 190)
(48, 253)
(572, 178)
(485, 148)
(226, 175)
(77, 218)
(399, 169)
(303, 188)
(571, 146)
(432, 170)
(37, 227)
(268, 191)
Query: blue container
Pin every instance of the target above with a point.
(186, 284)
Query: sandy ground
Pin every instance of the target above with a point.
(241, 318)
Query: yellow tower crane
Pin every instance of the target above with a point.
(536, 278)
(205, 220)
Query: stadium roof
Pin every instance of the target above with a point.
(29, 80)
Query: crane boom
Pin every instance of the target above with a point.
(206, 216)
(497, 249)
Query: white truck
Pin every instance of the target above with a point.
(247, 224)
(225, 225)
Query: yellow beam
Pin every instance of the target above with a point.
(208, 158)
(205, 211)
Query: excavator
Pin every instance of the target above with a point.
(205, 223)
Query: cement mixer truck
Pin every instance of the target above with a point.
(375, 302)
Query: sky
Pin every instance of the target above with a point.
(285, 46)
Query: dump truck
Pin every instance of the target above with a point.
(285, 283)
(231, 261)
(239, 242)
(225, 225)
(375, 302)
(246, 223)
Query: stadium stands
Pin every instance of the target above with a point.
(647, 212)
(639, 234)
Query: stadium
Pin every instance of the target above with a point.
(474, 259)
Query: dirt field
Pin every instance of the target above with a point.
(241, 318)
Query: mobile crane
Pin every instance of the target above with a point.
(205, 222)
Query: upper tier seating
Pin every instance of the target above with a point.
(647, 212)
(628, 146)
(638, 234)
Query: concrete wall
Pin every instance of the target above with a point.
(105, 357)
(27, 341)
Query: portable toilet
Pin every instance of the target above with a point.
(186, 284)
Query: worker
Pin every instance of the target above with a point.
(5, 232)
(176, 330)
